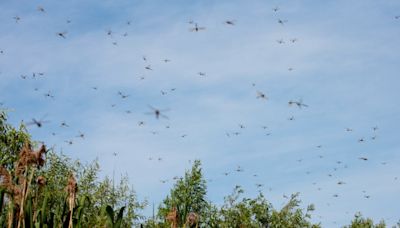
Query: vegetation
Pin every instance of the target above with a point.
(41, 188)
(44, 189)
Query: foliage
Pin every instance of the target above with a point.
(360, 222)
(187, 195)
(26, 201)
(11, 141)
(258, 212)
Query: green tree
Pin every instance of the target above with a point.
(48, 196)
(11, 141)
(188, 195)
(360, 222)
(291, 215)
(258, 212)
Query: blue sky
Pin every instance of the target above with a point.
(344, 67)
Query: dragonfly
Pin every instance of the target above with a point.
(17, 19)
(197, 28)
(41, 9)
(38, 123)
(280, 41)
(230, 22)
(81, 135)
(282, 22)
(261, 95)
(62, 34)
(123, 96)
(299, 103)
(157, 112)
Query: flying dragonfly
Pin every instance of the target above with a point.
(109, 32)
(293, 40)
(282, 22)
(38, 123)
(48, 94)
(41, 9)
(201, 73)
(261, 95)
(197, 28)
(69, 142)
(275, 9)
(230, 22)
(236, 133)
(123, 96)
(37, 74)
(17, 19)
(148, 67)
(157, 112)
(81, 135)
(280, 41)
(24, 76)
(64, 124)
(62, 34)
(299, 103)
(167, 60)
(363, 158)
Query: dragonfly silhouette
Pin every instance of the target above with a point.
(38, 123)
(197, 28)
(299, 103)
(157, 112)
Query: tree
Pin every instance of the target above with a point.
(360, 222)
(43, 186)
(258, 212)
(188, 196)
(11, 141)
